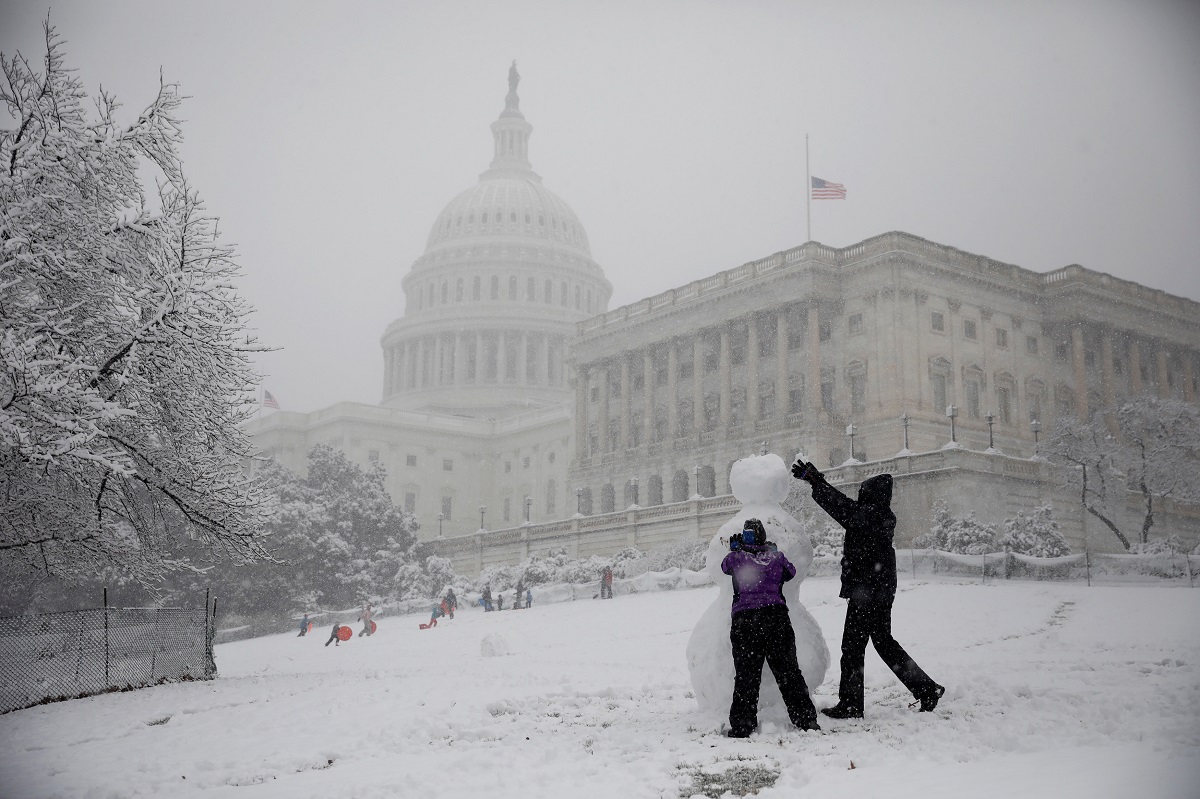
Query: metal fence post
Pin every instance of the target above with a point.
(1087, 563)
(107, 682)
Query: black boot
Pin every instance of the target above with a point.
(738, 733)
(929, 700)
(840, 711)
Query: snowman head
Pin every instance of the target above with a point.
(760, 480)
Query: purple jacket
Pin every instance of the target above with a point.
(758, 576)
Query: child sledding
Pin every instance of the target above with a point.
(436, 612)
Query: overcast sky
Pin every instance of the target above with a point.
(328, 136)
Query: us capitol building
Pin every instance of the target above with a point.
(528, 415)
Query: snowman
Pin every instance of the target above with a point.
(760, 483)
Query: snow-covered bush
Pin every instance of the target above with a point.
(963, 535)
(1035, 534)
(827, 541)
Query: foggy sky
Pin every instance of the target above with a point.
(328, 137)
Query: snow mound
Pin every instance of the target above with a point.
(494, 645)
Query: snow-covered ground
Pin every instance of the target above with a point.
(1054, 691)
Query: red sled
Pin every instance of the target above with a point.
(344, 633)
(372, 627)
(310, 626)
(432, 623)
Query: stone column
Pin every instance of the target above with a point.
(726, 374)
(422, 354)
(523, 359)
(581, 408)
(436, 375)
(480, 353)
(1189, 391)
(1081, 386)
(626, 403)
(812, 389)
(389, 372)
(406, 366)
(698, 381)
(1164, 385)
(542, 373)
(1135, 367)
(673, 388)
(501, 358)
(1107, 389)
(752, 372)
(460, 360)
(781, 365)
(602, 416)
(647, 398)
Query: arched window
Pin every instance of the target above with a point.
(608, 498)
(551, 492)
(679, 486)
(654, 490)
(706, 485)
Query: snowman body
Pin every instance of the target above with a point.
(761, 484)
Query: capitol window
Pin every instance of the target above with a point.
(937, 322)
(512, 217)
(541, 220)
(969, 328)
(856, 323)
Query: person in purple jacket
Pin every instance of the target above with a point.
(761, 631)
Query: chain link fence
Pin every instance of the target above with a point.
(56, 656)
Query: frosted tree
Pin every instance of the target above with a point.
(939, 532)
(964, 535)
(124, 356)
(1035, 534)
(828, 540)
(1149, 446)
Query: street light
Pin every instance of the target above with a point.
(482, 510)
(850, 431)
(766, 446)
(904, 421)
(1037, 428)
(440, 517)
(579, 501)
(952, 412)
(633, 482)
(696, 472)
(528, 502)
(990, 420)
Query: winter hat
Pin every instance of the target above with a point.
(753, 532)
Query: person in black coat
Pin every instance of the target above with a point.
(869, 583)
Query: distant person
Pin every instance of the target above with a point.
(761, 630)
(517, 595)
(486, 597)
(451, 602)
(365, 618)
(435, 613)
(869, 583)
(499, 600)
(528, 597)
(334, 638)
(304, 625)
(606, 582)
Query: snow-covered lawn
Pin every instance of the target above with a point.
(1054, 691)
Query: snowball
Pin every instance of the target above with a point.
(493, 645)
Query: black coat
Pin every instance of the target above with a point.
(868, 559)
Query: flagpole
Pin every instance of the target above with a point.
(807, 190)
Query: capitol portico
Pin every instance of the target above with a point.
(518, 413)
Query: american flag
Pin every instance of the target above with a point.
(824, 190)
(269, 400)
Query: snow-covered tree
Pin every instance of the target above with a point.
(1035, 534)
(939, 531)
(337, 535)
(828, 540)
(1150, 447)
(124, 356)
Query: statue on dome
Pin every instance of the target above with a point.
(513, 78)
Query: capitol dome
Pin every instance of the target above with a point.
(506, 275)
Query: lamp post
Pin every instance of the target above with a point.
(1037, 428)
(850, 431)
(766, 446)
(579, 500)
(990, 420)
(952, 412)
(440, 517)
(482, 510)
(528, 503)
(696, 473)
(904, 421)
(633, 483)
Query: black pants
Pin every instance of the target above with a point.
(605, 590)
(869, 616)
(765, 634)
